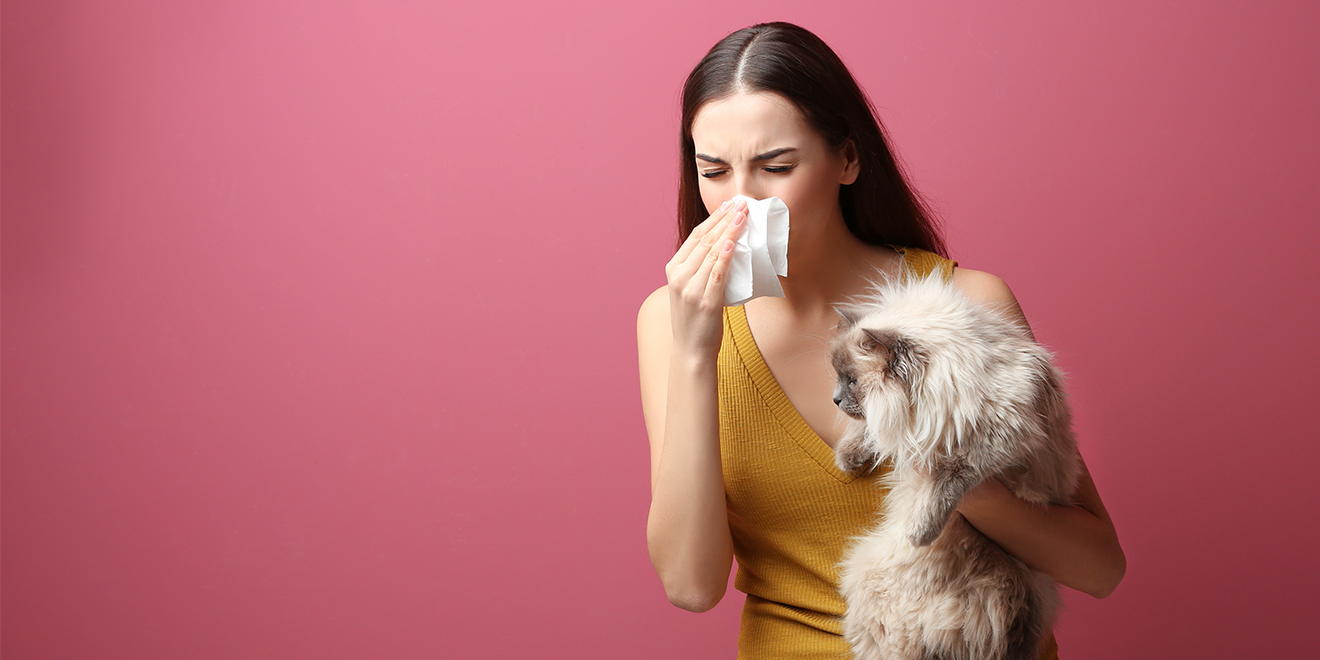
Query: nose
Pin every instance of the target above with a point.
(746, 185)
(840, 391)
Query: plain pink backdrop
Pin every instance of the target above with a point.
(318, 317)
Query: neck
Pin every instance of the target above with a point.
(829, 266)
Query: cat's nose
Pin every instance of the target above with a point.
(837, 400)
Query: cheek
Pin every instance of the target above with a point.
(809, 200)
(872, 388)
(712, 195)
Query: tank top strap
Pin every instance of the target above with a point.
(918, 263)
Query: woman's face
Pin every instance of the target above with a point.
(760, 145)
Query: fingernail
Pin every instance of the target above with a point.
(738, 219)
(728, 246)
(725, 205)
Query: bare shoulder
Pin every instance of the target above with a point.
(654, 335)
(654, 313)
(653, 339)
(989, 290)
(982, 288)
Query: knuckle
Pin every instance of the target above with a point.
(682, 270)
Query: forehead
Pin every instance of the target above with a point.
(744, 125)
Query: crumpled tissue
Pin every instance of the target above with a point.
(760, 254)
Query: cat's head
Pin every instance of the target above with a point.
(877, 368)
(927, 371)
(896, 357)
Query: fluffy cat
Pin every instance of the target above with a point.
(952, 393)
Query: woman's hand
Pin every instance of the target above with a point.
(697, 278)
(1076, 544)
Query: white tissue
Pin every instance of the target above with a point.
(760, 255)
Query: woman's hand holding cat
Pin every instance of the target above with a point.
(1074, 544)
(697, 278)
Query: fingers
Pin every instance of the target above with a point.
(715, 267)
(699, 232)
(704, 230)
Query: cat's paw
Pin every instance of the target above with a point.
(852, 453)
(853, 457)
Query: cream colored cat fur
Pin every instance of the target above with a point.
(951, 393)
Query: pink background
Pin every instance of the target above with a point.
(318, 318)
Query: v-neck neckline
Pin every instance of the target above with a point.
(783, 409)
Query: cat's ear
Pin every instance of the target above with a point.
(897, 351)
(848, 317)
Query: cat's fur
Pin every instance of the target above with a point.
(952, 393)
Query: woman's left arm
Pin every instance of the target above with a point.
(1076, 545)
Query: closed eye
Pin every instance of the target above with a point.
(773, 169)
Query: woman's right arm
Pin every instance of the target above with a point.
(679, 330)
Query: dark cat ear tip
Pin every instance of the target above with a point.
(848, 316)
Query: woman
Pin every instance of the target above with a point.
(742, 429)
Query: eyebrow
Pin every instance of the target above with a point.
(769, 155)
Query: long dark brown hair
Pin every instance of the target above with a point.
(880, 207)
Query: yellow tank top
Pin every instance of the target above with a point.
(792, 512)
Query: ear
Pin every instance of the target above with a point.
(897, 351)
(852, 164)
(848, 317)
